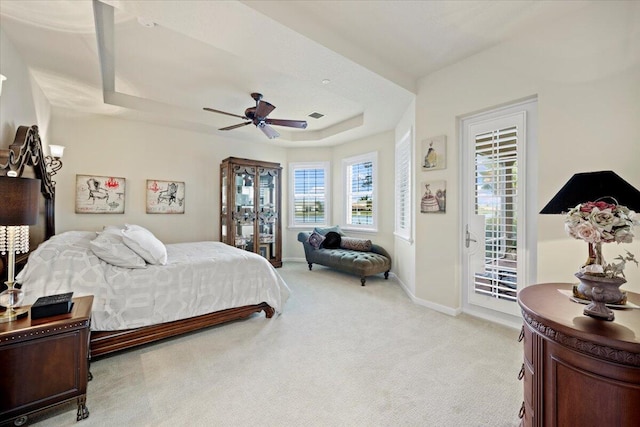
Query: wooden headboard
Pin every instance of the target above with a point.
(25, 158)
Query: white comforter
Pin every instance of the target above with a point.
(199, 278)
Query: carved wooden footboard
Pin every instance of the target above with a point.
(106, 342)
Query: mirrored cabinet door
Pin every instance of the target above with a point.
(243, 214)
(250, 207)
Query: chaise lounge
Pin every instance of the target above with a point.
(357, 256)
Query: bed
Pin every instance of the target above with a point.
(200, 284)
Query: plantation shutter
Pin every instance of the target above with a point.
(496, 193)
(309, 195)
(361, 193)
(403, 188)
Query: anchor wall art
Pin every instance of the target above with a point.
(165, 197)
(100, 194)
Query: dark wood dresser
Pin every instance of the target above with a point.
(578, 371)
(44, 362)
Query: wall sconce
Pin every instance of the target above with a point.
(2, 78)
(53, 162)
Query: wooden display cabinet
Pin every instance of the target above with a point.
(250, 200)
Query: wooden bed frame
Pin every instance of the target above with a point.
(105, 342)
(25, 157)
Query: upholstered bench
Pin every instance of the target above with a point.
(373, 260)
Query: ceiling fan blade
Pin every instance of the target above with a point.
(301, 124)
(235, 126)
(263, 109)
(224, 112)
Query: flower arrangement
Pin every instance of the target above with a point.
(601, 222)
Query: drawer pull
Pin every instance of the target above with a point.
(521, 337)
(522, 411)
(521, 374)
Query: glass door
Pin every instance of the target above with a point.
(498, 215)
(244, 210)
(268, 213)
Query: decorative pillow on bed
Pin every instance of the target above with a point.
(114, 228)
(145, 244)
(331, 240)
(355, 244)
(110, 248)
(315, 239)
(325, 230)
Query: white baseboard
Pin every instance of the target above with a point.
(496, 317)
(437, 307)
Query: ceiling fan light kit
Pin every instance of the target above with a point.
(258, 116)
(268, 130)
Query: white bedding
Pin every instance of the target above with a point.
(199, 278)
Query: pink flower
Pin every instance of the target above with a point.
(601, 222)
(587, 232)
(588, 207)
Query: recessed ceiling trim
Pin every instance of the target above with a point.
(321, 134)
(105, 34)
(103, 15)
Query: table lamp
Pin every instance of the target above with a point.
(600, 207)
(18, 210)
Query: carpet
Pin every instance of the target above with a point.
(340, 355)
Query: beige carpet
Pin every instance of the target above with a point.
(340, 355)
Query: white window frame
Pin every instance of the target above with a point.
(403, 193)
(346, 165)
(327, 193)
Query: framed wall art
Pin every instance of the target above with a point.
(434, 198)
(434, 153)
(100, 194)
(166, 197)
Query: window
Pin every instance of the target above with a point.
(403, 187)
(309, 194)
(360, 180)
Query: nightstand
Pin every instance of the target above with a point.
(578, 370)
(45, 362)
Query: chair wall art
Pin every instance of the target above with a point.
(165, 197)
(100, 194)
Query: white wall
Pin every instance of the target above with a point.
(137, 151)
(22, 102)
(384, 144)
(585, 70)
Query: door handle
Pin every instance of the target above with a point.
(468, 239)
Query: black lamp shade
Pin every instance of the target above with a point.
(590, 187)
(19, 201)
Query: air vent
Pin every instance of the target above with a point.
(316, 115)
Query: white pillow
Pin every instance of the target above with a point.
(110, 248)
(145, 244)
(113, 228)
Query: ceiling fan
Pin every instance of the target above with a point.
(258, 116)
